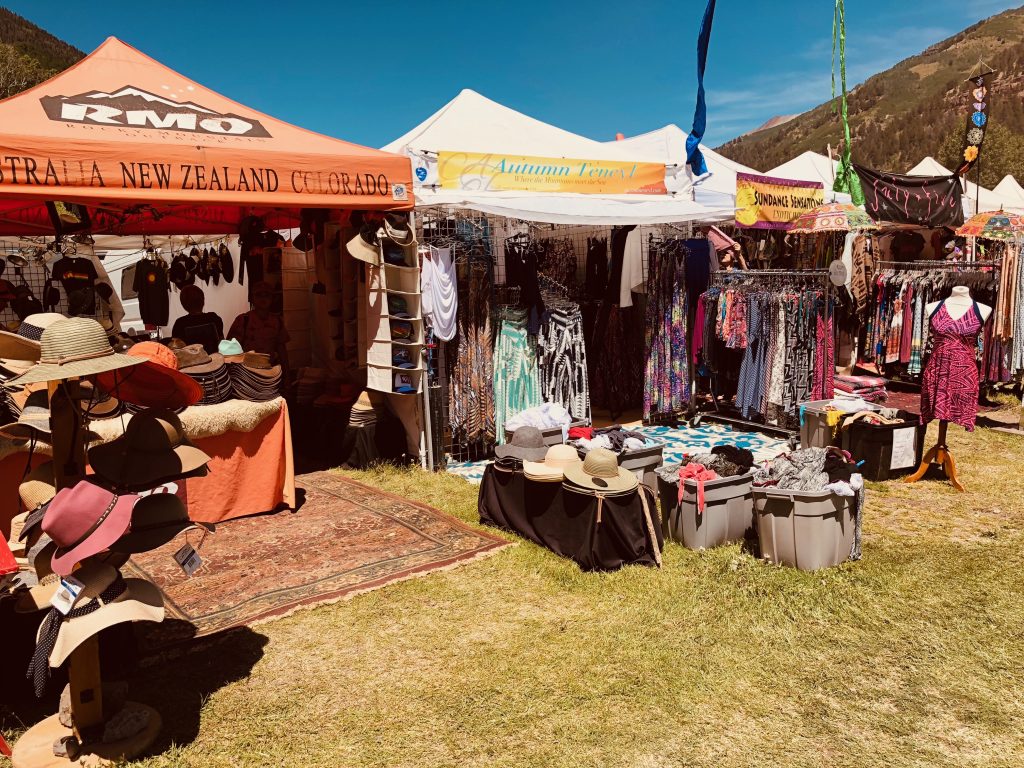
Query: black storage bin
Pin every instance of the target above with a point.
(873, 443)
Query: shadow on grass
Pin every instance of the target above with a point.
(178, 683)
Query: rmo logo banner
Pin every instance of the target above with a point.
(131, 107)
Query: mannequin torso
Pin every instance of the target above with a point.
(959, 304)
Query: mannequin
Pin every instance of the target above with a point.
(959, 304)
(949, 387)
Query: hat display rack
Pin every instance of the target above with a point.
(94, 525)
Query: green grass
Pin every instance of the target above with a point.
(911, 657)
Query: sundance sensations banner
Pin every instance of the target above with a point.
(487, 172)
(764, 202)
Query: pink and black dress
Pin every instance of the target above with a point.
(949, 389)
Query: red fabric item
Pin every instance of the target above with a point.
(581, 433)
(8, 564)
(700, 474)
(156, 383)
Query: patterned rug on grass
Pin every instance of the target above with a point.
(345, 538)
(676, 443)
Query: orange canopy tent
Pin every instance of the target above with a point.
(148, 151)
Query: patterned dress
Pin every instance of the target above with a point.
(949, 389)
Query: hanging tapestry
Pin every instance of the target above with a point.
(977, 122)
(927, 201)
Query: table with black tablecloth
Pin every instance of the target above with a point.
(567, 522)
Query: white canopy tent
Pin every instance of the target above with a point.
(810, 166)
(716, 190)
(1010, 189)
(976, 198)
(473, 123)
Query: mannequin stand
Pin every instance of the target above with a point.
(939, 455)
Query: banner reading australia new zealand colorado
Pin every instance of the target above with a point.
(489, 172)
(764, 202)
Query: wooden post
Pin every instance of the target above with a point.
(68, 429)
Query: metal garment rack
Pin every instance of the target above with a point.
(935, 266)
(723, 278)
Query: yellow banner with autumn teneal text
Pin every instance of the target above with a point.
(765, 202)
(491, 172)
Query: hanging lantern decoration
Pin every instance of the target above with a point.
(977, 122)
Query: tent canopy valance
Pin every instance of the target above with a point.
(149, 151)
(476, 153)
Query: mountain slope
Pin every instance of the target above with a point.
(29, 55)
(905, 113)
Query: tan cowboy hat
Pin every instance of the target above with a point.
(365, 246)
(37, 489)
(72, 347)
(15, 347)
(38, 597)
(140, 601)
(600, 471)
(552, 469)
(152, 449)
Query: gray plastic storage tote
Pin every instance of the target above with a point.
(805, 530)
(728, 511)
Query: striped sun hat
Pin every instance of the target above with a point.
(72, 347)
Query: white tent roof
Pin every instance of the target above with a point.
(669, 145)
(810, 166)
(977, 198)
(1011, 189)
(473, 123)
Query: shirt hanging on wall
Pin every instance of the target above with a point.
(78, 277)
(151, 286)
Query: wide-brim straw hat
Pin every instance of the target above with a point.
(552, 469)
(141, 601)
(73, 347)
(600, 471)
(153, 449)
(34, 422)
(32, 327)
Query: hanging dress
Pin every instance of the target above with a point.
(949, 388)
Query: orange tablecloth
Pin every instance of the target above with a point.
(250, 472)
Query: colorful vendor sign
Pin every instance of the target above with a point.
(765, 202)
(492, 172)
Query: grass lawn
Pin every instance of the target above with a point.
(912, 657)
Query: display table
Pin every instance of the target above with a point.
(566, 522)
(251, 469)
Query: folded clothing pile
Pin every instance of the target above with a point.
(546, 416)
(870, 388)
(615, 439)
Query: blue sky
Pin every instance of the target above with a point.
(368, 72)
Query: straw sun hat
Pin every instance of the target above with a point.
(74, 346)
(552, 469)
(600, 471)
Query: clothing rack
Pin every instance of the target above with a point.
(931, 266)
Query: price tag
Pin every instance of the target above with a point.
(67, 594)
(838, 273)
(565, 434)
(188, 559)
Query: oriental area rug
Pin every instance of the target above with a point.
(346, 538)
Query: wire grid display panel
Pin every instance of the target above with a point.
(36, 275)
(477, 242)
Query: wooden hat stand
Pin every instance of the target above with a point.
(84, 747)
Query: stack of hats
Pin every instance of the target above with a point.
(88, 530)
(208, 370)
(253, 377)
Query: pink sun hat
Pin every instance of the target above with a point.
(83, 521)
